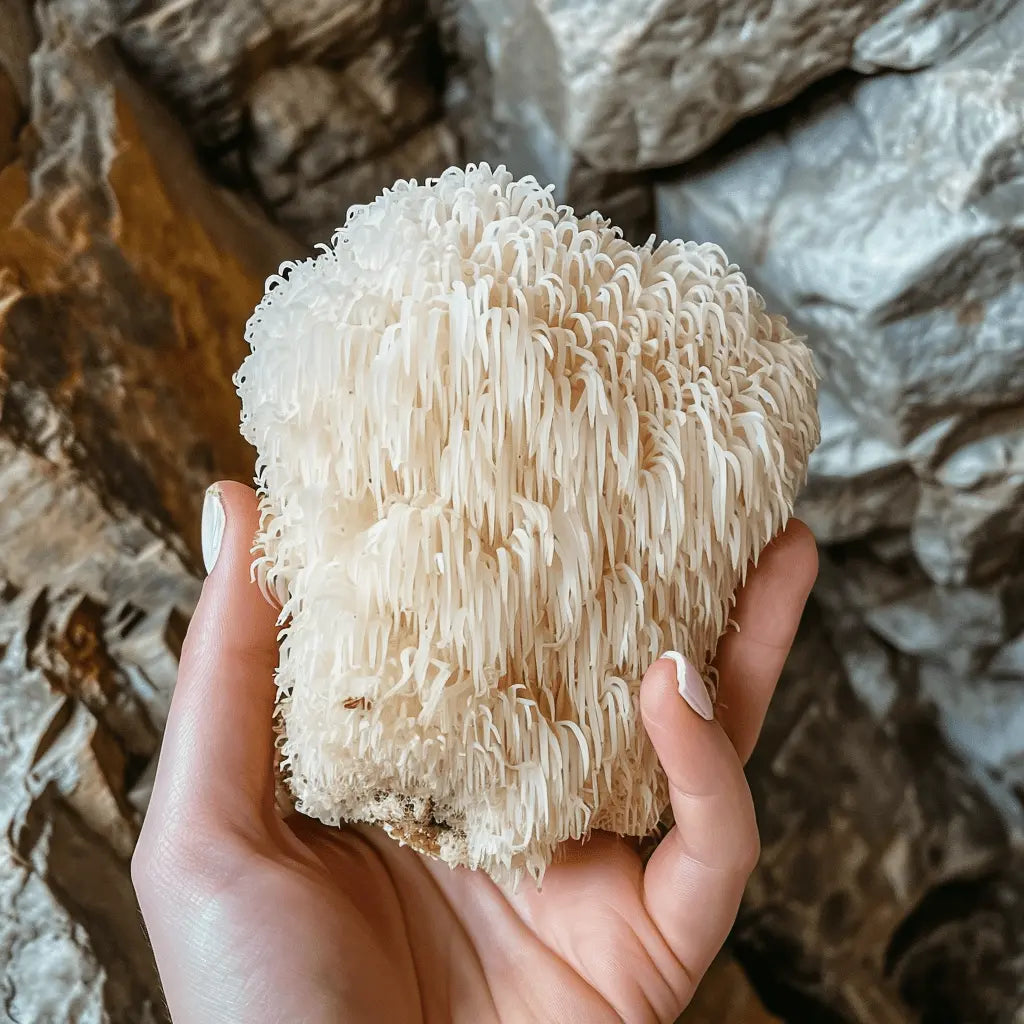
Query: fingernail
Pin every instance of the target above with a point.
(213, 527)
(691, 686)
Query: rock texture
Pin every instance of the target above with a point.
(124, 281)
(311, 106)
(324, 139)
(638, 84)
(11, 113)
(16, 44)
(891, 887)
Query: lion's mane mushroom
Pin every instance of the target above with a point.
(505, 459)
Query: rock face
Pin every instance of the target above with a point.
(16, 43)
(638, 84)
(323, 140)
(120, 268)
(311, 106)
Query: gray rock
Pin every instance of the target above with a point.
(822, 212)
(203, 55)
(322, 139)
(314, 209)
(917, 33)
(860, 482)
(969, 523)
(206, 56)
(633, 85)
(69, 934)
(337, 32)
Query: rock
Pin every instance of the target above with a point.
(628, 86)
(16, 44)
(120, 267)
(11, 113)
(203, 55)
(954, 650)
(887, 216)
(917, 33)
(315, 210)
(207, 54)
(890, 888)
(969, 523)
(318, 105)
(860, 483)
(323, 140)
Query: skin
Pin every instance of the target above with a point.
(261, 920)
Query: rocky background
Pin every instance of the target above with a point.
(862, 160)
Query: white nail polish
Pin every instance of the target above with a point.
(213, 527)
(691, 686)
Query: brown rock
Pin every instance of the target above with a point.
(150, 271)
(207, 54)
(11, 113)
(314, 210)
(17, 41)
(335, 32)
(125, 281)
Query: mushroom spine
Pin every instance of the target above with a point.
(505, 458)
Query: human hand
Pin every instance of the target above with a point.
(259, 920)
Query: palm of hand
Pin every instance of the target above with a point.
(358, 928)
(254, 919)
(374, 931)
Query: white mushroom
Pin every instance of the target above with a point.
(505, 459)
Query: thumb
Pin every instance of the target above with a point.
(216, 763)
